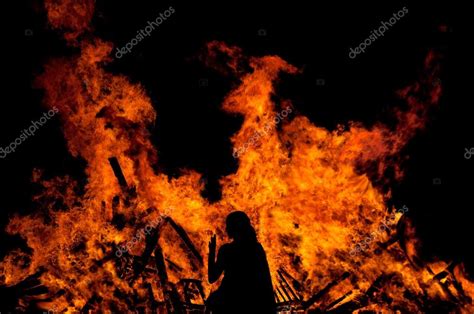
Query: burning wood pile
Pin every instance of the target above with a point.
(130, 238)
(188, 296)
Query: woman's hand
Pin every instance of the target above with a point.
(212, 245)
(214, 268)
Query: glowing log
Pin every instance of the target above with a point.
(337, 301)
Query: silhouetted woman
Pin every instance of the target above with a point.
(246, 286)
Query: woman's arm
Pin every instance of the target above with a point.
(214, 269)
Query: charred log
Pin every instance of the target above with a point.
(187, 241)
(151, 242)
(290, 289)
(192, 289)
(153, 303)
(324, 291)
(160, 266)
(295, 283)
(118, 172)
(30, 287)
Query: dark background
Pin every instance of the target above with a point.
(192, 132)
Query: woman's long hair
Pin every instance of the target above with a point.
(239, 228)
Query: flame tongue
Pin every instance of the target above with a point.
(71, 16)
(308, 192)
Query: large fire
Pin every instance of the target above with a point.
(310, 192)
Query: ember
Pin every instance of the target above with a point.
(136, 239)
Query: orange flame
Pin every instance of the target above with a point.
(309, 191)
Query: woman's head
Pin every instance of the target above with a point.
(239, 228)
